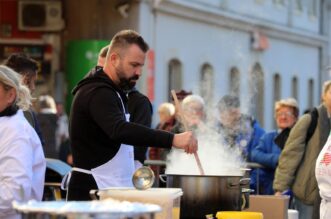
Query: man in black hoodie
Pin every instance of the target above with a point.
(139, 107)
(101, 136)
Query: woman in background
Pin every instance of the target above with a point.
(268, 150)
(22, 161)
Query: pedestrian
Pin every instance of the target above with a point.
(296, 165)
(28, 68)
(100, 132)
(239, 131)
(323, 177)
(268, 150)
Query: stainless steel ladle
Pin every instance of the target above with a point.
(143, 178)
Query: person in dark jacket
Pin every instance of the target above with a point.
(239, 131)
(139, 107)
(267, 151)
(100, 132)
(141, 111)
(296, 166)
(27, 67)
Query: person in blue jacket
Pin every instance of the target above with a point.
(271, 144)
(238, 130)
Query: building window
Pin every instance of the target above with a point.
(259, 1)
(257, 92)
(277, 94)
(312, 7)
(279, 2)
(175, 76)
(298, 5)
(295, 88)
(207, 83)
(277, 87)
(234, 82)
(311, 93)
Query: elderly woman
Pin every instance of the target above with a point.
(22, 161)
(193, 118)
(268, 150)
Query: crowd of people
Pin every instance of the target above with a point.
(111, 136)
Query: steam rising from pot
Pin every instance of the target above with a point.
(217, 157)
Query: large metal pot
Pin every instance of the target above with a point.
(205, 195)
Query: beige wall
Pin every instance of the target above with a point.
(95, 19)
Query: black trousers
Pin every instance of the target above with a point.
(80, 186)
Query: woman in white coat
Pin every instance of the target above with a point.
(323, 177)
(22, 161)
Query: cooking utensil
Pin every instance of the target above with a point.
(143, 178)
(180, 113)
(209, 194)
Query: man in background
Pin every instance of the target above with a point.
(27, 68)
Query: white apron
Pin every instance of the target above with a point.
(323, 177)
(117, 172)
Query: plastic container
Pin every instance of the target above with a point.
(167, 198)
(238, 215)
(108, 209)
(292, 214)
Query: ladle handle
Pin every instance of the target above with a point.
(197, 159)
(180, 113)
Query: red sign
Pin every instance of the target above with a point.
(150, 74)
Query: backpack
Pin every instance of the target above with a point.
(314, 117)
(29, 116)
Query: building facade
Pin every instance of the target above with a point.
(261, 50)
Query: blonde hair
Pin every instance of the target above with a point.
(10, 78)
(326, 86)
(167, 108)
(289, 102)
(47, 102)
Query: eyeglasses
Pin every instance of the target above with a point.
(286, 114)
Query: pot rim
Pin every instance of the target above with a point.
(176, 174)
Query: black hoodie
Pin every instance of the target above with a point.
(98, 126)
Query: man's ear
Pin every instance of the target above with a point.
(113, 57)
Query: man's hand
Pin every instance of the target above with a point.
(186, 141)
(278, 193)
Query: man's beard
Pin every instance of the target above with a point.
(126, 84)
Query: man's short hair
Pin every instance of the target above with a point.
(228, 102)
(21, 63)
(126, 38)
(103, 52)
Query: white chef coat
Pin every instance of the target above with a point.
(22, 163)
(323, 177)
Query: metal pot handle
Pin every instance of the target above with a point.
(242, 182)
(245, 197)
(162, 179)
(94, 194)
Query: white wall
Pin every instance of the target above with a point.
(194, 43)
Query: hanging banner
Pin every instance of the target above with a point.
(150, 74)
